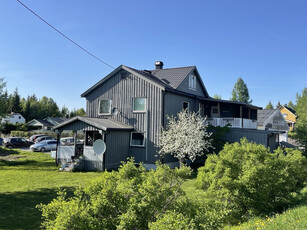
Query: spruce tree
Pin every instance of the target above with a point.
(240, 92)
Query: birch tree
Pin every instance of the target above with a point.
(185, 136)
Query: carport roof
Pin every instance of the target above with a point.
(77, 123)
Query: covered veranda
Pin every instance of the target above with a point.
(115, 135)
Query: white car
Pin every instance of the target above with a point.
(43, 146)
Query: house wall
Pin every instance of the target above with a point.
(258, 136)
(122, 91)
(14, 119)
(117, 148)
(290, 117)
(173, 104)
(184, 87)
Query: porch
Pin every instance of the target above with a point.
(232, 122)
(233, 113)
(110, 131)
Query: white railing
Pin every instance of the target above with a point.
(233, 122)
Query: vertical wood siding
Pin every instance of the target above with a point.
(173, 104)
(184, 87)
(117, 143)
(121, 92)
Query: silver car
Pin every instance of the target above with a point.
(43, 146)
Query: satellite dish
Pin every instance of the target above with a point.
(99, 146)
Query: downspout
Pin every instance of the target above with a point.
(163, 116)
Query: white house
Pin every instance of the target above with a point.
(14, 118)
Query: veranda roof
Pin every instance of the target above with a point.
(83, 123)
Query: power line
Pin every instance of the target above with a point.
(64, 35)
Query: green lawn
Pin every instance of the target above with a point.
(27, 179)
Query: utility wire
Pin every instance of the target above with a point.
(64, 35)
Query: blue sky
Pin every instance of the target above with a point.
(264, 42)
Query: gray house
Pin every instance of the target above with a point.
(128, 108)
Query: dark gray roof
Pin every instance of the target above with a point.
(100, 123)
(42, 122)
(149, 75)
(264, 115)
(173, 76)
(291, 110)
(56, 120)
(230, 102)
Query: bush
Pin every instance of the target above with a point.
(128, 199)
(248, 180)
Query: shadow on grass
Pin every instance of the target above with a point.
(15, 163)
(18, 209)
(5, 151)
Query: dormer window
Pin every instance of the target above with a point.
(192, 82)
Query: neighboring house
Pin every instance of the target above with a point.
(129, 107)
(273, 120)
(14, 118)
(46, 124)
(289, 115)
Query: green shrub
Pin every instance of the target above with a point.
(172, 221)
(247, 180)
(128, 199)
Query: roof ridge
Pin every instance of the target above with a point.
(192, 66)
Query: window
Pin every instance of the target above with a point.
(104, 107)
(19, 117)
(285, 115)
(90, 137)
(185, 105)
(192, 82)
(139, 104)
(137, 139)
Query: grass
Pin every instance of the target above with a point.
(290, 219)
(28, 179)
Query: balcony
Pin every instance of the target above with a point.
(233, 122)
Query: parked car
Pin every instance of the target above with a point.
(1, 140)
(69, 141)
(44, 138)
(42, 146)
(15, 142)
(32, 138)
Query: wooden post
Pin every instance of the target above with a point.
(56, 150)
(249, 113)
(75, 140)
(218, 109)
(241, 116)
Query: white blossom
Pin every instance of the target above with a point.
(185, 136)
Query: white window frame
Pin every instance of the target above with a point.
(192, 82)
(188, 105)
(139, 111)
(137, 145)
(110, 109)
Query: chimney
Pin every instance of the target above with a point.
(159, 64)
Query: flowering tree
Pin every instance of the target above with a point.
(185, 136)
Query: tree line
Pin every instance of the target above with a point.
(32, 107)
